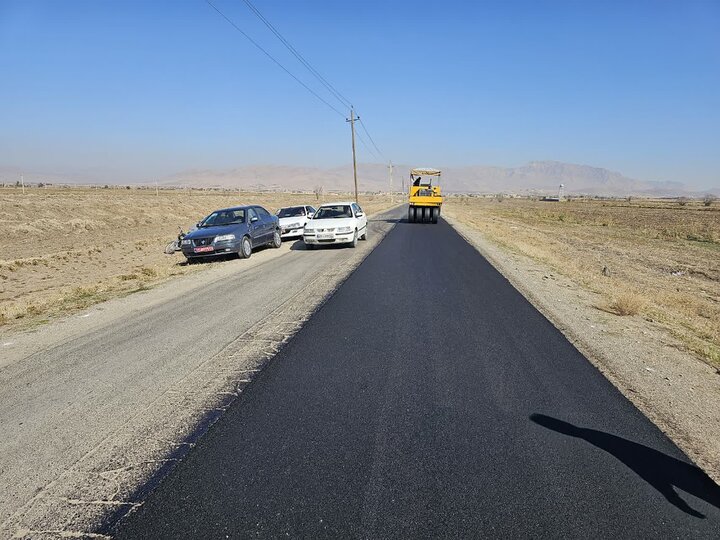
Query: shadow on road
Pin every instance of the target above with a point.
(659, 470)
(386, 220)
(299, 245)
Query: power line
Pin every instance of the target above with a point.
(367, 147)
(271, 57)
(362, 124)
(330, 88)
(342, 99)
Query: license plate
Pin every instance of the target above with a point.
(203, 249)
(325, 236)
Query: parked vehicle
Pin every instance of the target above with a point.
(293, 220)
(336, 223)
(232, 230)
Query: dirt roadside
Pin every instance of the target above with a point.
(80, 247)
(673, 388)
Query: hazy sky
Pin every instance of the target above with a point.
(135, 89)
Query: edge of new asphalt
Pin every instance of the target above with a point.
(206, 422)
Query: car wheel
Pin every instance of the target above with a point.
(354, 240)
(364, 236)
(277, 241)
(411, 215)
(245, 248)
(435, 214)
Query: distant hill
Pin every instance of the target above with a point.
(537, 177)
(546, 177)
(541, 177)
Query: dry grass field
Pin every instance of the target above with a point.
(64, 249)
(649, 258)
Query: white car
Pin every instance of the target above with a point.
(336, 223)
(293, 220)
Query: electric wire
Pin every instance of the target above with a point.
(362, 124)
(367, 147)
(330, 88)
(271, 57)
(378, 154)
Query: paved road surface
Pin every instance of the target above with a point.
(427, 398)
(111, 392)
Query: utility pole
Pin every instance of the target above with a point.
(157, 191)
(22, 183)
(392, 197)
(352, 130)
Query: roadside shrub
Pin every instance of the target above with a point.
(149, 272)
(627, 303)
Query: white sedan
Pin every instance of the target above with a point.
(336, 223)
(293, 220)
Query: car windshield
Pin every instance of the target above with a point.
(295, 211)
(335, 211)
(224, 217)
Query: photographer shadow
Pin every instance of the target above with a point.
(663, 472)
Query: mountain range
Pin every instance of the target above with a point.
(534, 178)
(537, 177)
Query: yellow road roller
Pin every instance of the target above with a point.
(425, 198)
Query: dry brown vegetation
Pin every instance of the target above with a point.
(65, 249)
(653, 258)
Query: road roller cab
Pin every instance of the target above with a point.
(425, 198)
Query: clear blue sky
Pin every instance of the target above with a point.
(134, 89)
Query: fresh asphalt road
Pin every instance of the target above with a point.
(428, 398)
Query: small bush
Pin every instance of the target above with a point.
(627, 304)
(149, 272)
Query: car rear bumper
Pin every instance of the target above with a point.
(337, 239)
(291, 233)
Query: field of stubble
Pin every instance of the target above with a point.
(65, 249)
(647, 258)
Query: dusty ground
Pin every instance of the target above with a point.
(67, 249)
(650, 321)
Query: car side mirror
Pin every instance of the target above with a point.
(310, 215)
(359, 214)
(253, 219)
